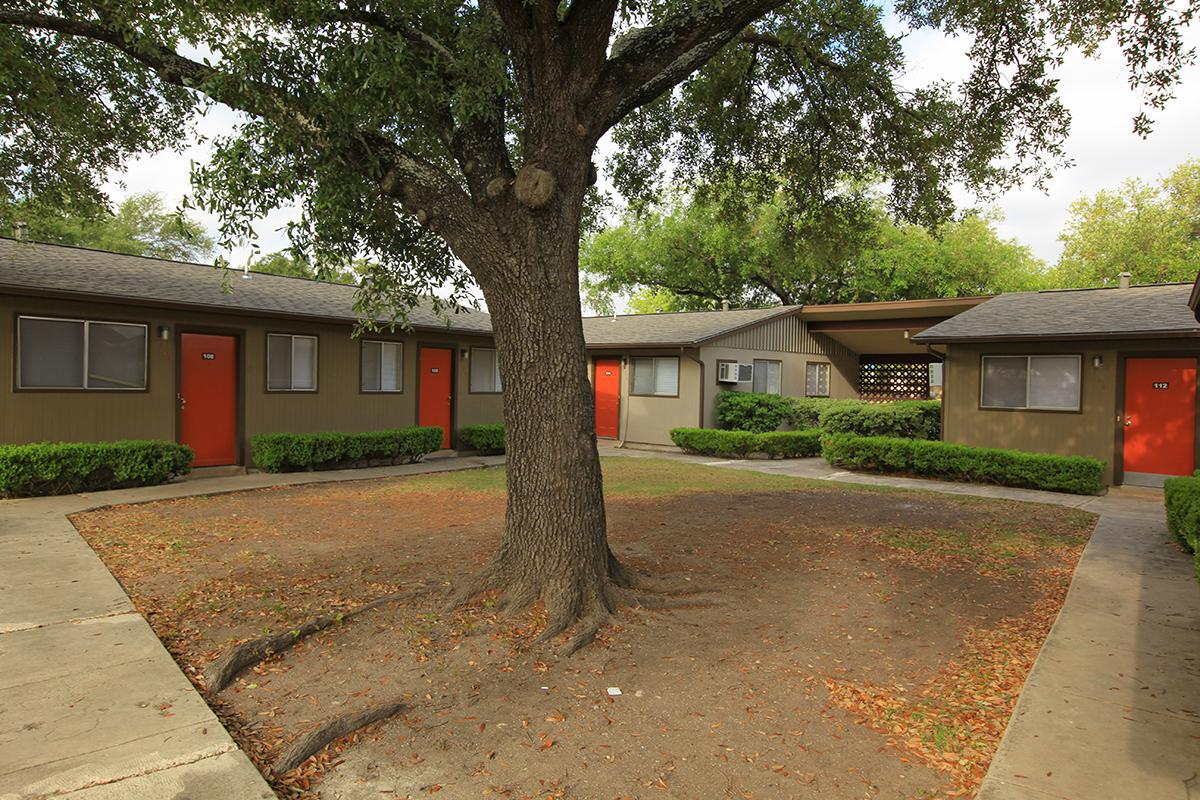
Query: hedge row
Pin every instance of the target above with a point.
(289, 452)
(758, 412)
(1182, 496)
(740, 444)
(956, 462)
(487, 439)
(63, 468)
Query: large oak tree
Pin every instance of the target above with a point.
(451, 141)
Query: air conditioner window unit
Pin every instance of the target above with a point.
(731, 372)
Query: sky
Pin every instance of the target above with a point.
(1102, 145)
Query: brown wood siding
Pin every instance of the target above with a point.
(337, 405)
(1092, 431)
(787, 335)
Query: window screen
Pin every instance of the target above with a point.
(816, 380)
(116, 356)
(382, 366)
(291, 363)
(656, 376)
(768, 376)
(80, 354)
(1038, 382)
(485, 370)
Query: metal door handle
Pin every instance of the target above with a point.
(182, 401)
(1128, 421)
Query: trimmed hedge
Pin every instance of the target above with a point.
(1075, 474)
(740, 444)
(1182, 498)
(289, 452)
(905, 419)
(487, 439)
(65, 468)
(806, 411)
(756, 412)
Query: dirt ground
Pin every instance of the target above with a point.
(856, 643)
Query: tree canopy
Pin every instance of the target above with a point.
(281, 262)
(697, 254)
(141, 225)
(1149, 230)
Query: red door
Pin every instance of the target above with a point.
(436, 401)
(1160, 417)
(208, 397)
(608, 397)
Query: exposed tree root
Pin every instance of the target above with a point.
(221, 672)
(311, 743)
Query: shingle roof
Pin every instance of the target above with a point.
(1136, 312)
(31, 266)
(673, 329)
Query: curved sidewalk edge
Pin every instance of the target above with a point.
(92, 706)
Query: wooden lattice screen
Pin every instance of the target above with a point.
(886, 380)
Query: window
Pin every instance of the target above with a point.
(656, 376)
(816, 380)
(291, 363)
(485, 371)
(1049, 383)
(768, 376)
(80, 354)
(382, 366)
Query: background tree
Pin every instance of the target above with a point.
(694, 255)
(281, 262)
(1152, 231)
(141, 226)
(449, 141)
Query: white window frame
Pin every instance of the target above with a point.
(83, 387)
(1028, 375)
(292, 337)
(499, 384)
(655, 359)
(828, 377)
(766, 371)
(399, 377)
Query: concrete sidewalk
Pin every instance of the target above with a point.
(1111, 709)
(92, 706)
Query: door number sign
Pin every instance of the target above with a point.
(209, 356)
(1159, 385)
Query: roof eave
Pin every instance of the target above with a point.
(1058, 337)
(208, 308)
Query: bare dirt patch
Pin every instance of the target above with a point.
(856, 643)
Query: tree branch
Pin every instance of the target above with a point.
(646, 62)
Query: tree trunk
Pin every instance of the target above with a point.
(555, 546)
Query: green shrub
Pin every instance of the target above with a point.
(790, 444)
(289, 452)
(905, 419)
(956, 462)
(806, 411)
(1182, 498)
(65, 468)
(740, 444)
(487, 439)
(756, 412)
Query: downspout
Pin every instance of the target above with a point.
(684, 354)
(623, 397)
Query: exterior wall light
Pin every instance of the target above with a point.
(164, 332)
(1097, 361)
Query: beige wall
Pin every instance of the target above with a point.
(649, 420)
(1090, 432)
(843, 374)
(337, 405)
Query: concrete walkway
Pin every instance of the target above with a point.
(1111, 709)
(92, 706)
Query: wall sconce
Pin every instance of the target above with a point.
(906, 333)
(466, 353)
(1097, 361)
(164, 332)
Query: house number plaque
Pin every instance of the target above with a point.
(209, 356)
(1160, 385)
